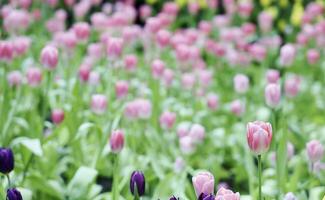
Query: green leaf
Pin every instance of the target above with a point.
(33, 145)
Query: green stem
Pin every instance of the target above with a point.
(8, 178)
(27, 166)
(115, 179)
(259, 158)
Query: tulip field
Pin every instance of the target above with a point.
(162, 100)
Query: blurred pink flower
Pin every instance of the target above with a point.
(117, 141)
(272, 95)
(98, 104)
(315, 151)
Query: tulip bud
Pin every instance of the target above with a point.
(272, 95)
(287, 55)
(241, 83)
(291, 86)
(81, 30)
(121, 89)
(157, 68)
(197, 132)
(227, 194)
(6, 50)
(13, 194)
(259, 136)
(167, 119)
(14, 78)
(272, 76)
(187, 144)
(173, 198)
(7, 161)
(57, 116)
(315, 151)
(34, 76)
(49, 57)
(203, 183)
(98, 103)
(237, 107)
(212, 101)
(313, 56)
(290, 196)
(130, 62)
(117, 141)
(114, 47)
(137, 183)
(84, 72)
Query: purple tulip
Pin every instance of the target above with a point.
(137, 183)
(6, 160)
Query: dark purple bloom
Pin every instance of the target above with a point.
(173, 198)
(6, 160)
(13, 194)
(206, 197)
(137, 183)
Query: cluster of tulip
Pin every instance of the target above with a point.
(114, 87)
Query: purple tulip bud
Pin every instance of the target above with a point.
(173, 198)
(206, 197)
(137, 183)
(13, 194)
(6, 160)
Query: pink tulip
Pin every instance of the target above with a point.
(272, 95)
(138, 109)
(81, 30)
(121, 89)
(245, 8)
(34, 76)
(98, 103)
(94, 78)
(188, 80)
(212, 101)
(21, 45)
(187, 144)
(114, 47)
(272, 76)
(95, 50)
(259, 136)
(265, 21)
(6, 50)
(170, 8)
(163, 37)
(237, 107)
(157, 68)
(16, 21)
(193, 7)
(203, 183)
(49, 57)
(168, 77)
(130, 62)
(313, 56)
(292, 85)
(57, 115)
(167, 119)
(287, 55)
(84, 72)
(145, 11)
(117, 141)
(205, 27)
(183, 129)
(179, 165)
(225, 194)
(241, 83)
(197, 132)
(14, 78)
(315, 151)
(258, 52)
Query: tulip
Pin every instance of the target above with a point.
(157, 68)
(290, 196)
(121, 89)
(13, 194)
(14, 78)
(57, 116)
(241, 83)
(81, 30)
(265, 21)
(291, 86)
(197, 132)
(187, 144)
(237, 107)
(287, 55)
(84, 72)
(203, 183)
(313, 56)
(167, 119)
(212, 101)
(137, 183)
(179, 165)
(272, 76)
(315, 151)
(224, 194)
(7, 161)
(273, 95)
(117, 141)
(259, 136)
(34, 76)
(98, 103)
(6, 50)
(94, 78)
(49, 57)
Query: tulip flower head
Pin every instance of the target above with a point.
(259, 136)
(49, 57)
(13, 194)
(203, 183)
(225, 194)
(117, 141)
(272, 95)
(315, 151)
(137, 183)
(7, 161)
